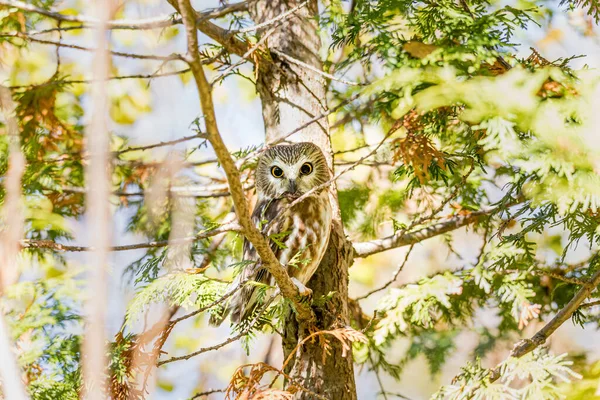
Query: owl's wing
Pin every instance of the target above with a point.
(244, 301)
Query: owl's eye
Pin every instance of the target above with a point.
(306, 168)
(276, 172)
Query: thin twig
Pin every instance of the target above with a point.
(200, 135)
(315, 70)
(211, 305)
(149, 23)
(273, 20)
(210, 191)
(24, 36)
(156, 74)
(245, 56)
(277, 21)
(590, 304)
(207, 393)
(396, 273)
(551, 274)
(224, 343)
(49, 244)
(365, 249)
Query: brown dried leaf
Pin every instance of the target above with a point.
(418, 152)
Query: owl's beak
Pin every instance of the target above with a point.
(292, 188)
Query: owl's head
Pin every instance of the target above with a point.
(290, 170)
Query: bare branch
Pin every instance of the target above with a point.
(161, 144)
(526, 346)
(315, 70)
(224, 343)
(200, 192)
(49, 244)
(250, 231)
(206, 393)
(222, 36)
(245, 56)
(215, 32)
(156, 74)
(24, 36)
(139, 24)
(273, 21)
(117, 78)
(396, 273)
(552, 274)
(365, 249)
(590, 304)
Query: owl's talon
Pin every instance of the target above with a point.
(302, 289)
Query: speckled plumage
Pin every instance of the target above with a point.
(303, 230)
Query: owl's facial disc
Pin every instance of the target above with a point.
(290, 170)
(292, 181)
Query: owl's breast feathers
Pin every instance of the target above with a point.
(298, 237)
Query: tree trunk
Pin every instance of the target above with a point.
(292, 95)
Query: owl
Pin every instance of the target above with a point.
(299, 237)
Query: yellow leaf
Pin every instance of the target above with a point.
(419, 49)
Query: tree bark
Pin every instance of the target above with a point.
(292, 95)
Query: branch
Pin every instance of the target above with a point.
(250, 231)
(139, 24)
(274, 20)
(365, 249)
(200, 192)
(200, 135)
(156, 74)
(222, 36)
(396, 273)
(67, 157)
(24, 36)
(551, 274)
(206, 393)
(590, 304)
(111, 78)
(245, 56)
(215, 32)
(224, 343)
(315, 70)
(49, 244)
(526, 346)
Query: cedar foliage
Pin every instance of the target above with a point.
(480, 130)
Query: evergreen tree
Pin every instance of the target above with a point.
(471, 137)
